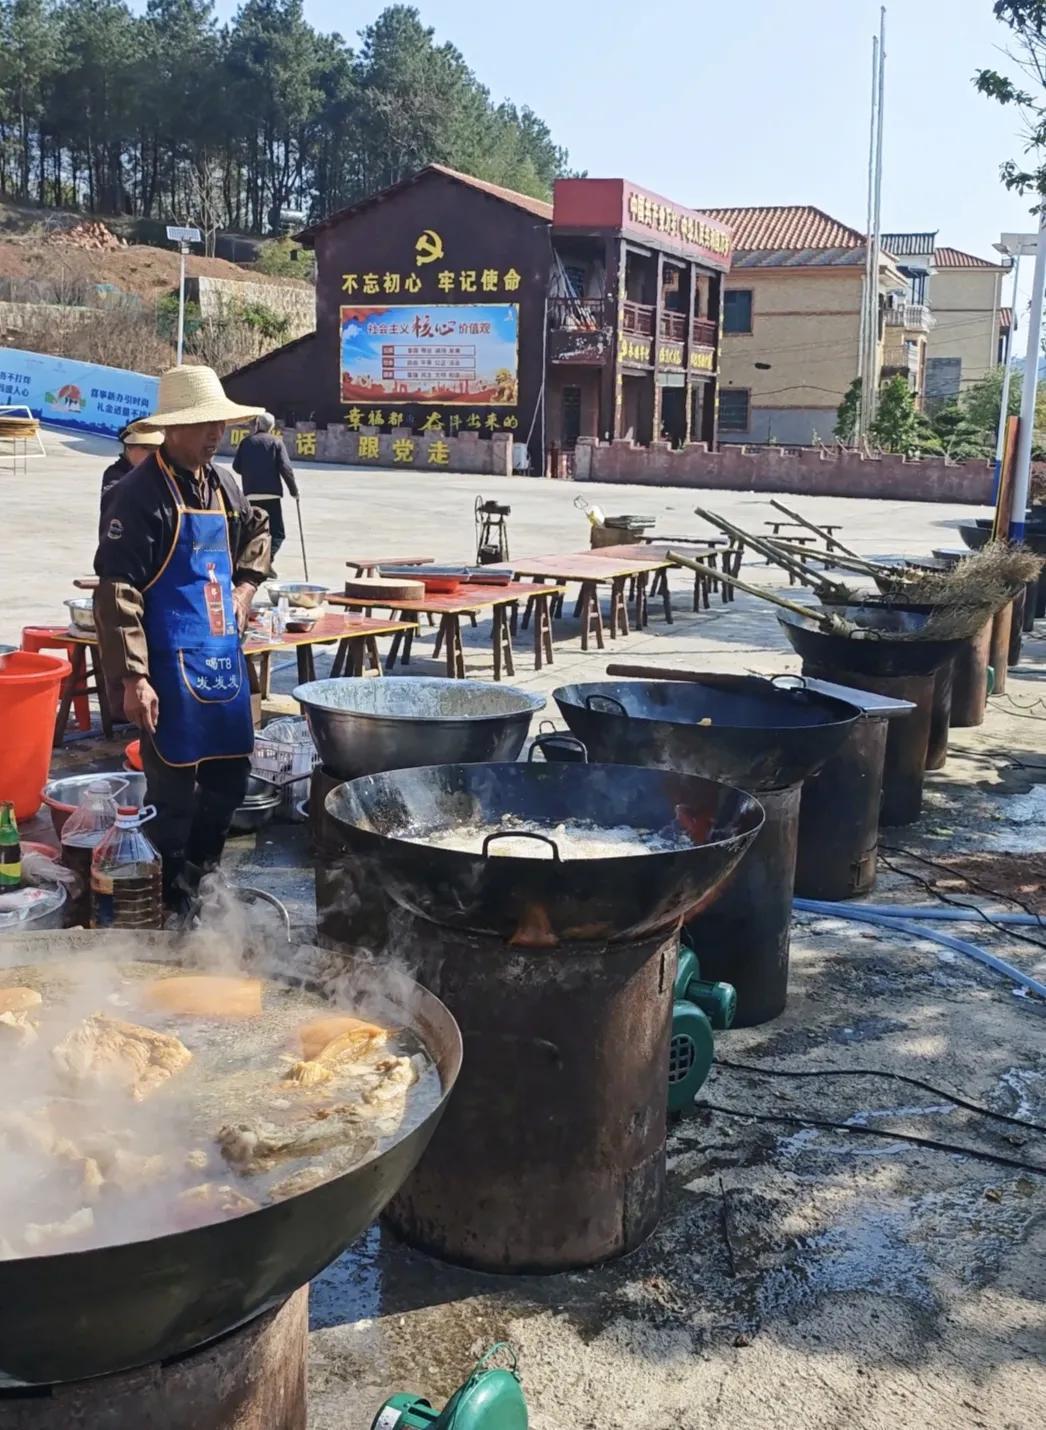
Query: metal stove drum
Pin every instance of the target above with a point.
(561, 973)
(765, 736)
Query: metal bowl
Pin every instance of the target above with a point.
(63, 796)
(298, 593)
(81, 612)
(363, 726)
(303, 619)
(260, 803)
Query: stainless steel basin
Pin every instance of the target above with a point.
(362, 727)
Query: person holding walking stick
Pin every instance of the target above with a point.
(264, 469)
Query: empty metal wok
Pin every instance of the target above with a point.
(78, 1314)
(763, 734)
(874, 653)
(538, 902)
(363, 726)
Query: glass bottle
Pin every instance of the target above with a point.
(10, 848)
(127, 876)
(82, 832)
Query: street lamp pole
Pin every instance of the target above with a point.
(182, 236)
(1022, 463)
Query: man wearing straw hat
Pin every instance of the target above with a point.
(136, 443)
(179, 560)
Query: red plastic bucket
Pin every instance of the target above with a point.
(29, 690)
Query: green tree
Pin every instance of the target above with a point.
(1026, 21)
(896, 428)
(846, 412)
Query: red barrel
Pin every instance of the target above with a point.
(29, 689)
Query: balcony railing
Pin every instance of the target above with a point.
(705, 332)
(914, 316)
(638, 318)
(673, 326)
(579, 314)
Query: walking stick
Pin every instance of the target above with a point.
(301, 534)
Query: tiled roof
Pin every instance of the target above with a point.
(909, 245)
(955, 258)
(781, 227)
(1005, 318)
(800, 258)
(509, 196)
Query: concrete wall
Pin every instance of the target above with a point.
(468, 452)
(805, 324)
(965, 306)
(217, 296)
(788, 426)
(802, 473)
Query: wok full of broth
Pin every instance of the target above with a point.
(135, 1107)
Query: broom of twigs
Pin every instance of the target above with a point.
(948, 623)
(975, 588)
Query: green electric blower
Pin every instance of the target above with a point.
(699, 1008)
(491, 1399)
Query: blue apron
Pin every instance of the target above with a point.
(196, 664)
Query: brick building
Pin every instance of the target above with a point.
(447, 306)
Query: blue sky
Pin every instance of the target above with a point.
(764, 102)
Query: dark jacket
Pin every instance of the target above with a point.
(262, 461)
(140, 522)
(113, 473)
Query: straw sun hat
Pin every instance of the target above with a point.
(134, 436)
(194, 394)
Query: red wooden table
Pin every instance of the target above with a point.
(589, 568)
(367, 565)
(503, 602)
(357, 645)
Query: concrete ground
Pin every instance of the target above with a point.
(801, 1276)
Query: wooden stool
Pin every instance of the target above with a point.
(40, 638)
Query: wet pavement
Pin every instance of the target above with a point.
(802, 1276)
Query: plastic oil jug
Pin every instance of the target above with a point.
(127, 876)
(82, 832)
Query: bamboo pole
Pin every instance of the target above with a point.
(828, 540)
(826, 619)
(761, 544)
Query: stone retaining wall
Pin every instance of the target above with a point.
(467, 452)
(800, 472)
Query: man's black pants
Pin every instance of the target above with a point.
(277, 530)
(194, 809)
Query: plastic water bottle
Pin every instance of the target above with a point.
(82, 832)
(127, 877)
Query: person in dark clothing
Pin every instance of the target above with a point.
(179, 561)
(264, 468)
(137, 444)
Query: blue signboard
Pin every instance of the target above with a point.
(81, 395)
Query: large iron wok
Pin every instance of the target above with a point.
(764, 734)
(85, 1313)
(363, 726)
(539, 902)
(874, 653)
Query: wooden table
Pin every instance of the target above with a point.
(589, 568)
(368, 565)
(357, 646)
(471, 598)
(357, 649)
(707, 552)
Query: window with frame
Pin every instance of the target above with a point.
(734, 405)
(737, 310)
